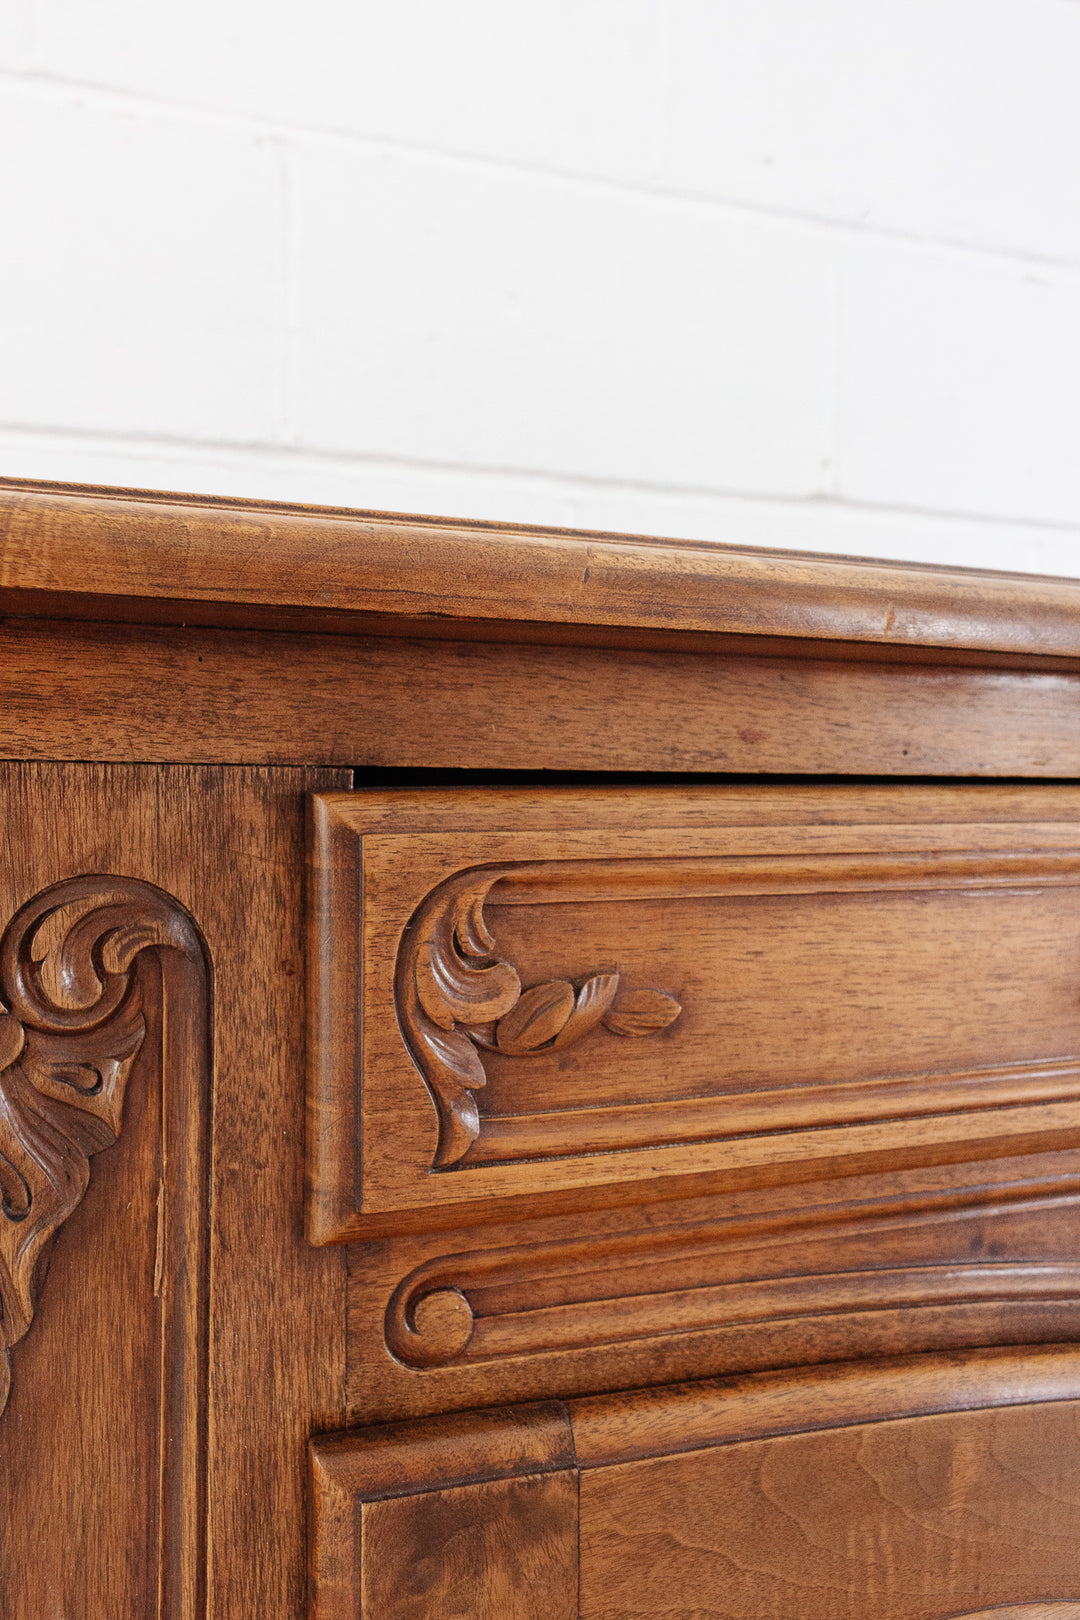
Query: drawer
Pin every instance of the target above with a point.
(561, 996)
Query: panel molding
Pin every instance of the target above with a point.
(451, 1477)
(456, 993)
(462, 1034)
(726, 1411)
(98, 972)
(90, 549)
(656, 1283)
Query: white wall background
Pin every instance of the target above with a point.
(783, 272)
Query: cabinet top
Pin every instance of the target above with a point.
(136, 555)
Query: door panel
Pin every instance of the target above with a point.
(906, 1520)
(903, 1489)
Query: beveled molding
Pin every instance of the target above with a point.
(728, 1281)
(528, 1092)
(658, 1283)
(98, 973)
(399, 1458)
(88, 551)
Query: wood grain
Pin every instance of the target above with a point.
(493, 1551)
(899, 1488)
(140, 692)
(473, 1516)
(899, 1521)
(833, 986)
(277, 1346)
(68, 542)
(79, 1442)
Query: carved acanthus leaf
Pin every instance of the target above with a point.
(456, 997)
(71, 1030)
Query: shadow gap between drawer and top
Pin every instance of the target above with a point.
(391, 777)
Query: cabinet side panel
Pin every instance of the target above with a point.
(276, 1305)
(80, 1455)
(104, 1104)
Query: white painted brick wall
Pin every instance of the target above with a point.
(141, 287)
(958, 382)
(791, 272)
(554, 325)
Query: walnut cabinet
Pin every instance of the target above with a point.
(539, 1074)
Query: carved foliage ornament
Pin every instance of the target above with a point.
(458, 998)
(71, 1028)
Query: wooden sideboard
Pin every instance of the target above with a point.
(539, 1074)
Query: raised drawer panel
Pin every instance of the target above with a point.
(520, 995)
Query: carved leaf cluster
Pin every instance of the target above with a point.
(556, 1013)
(60, 1102)
(449, 976)
(70, 1032)
(458, 997)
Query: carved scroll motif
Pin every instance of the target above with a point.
(758, 1286)
(71, 1029)
(457, 997)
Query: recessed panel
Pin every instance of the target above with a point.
(589, 990)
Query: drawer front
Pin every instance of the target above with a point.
(564, 995)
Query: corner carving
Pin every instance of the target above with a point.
(72, 1024)
(457, 998)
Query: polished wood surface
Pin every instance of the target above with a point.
(902, 1521)
(62, 544)
(784, 1285)
(459, 1516)
(906, 1489)
(165, 1345)
(148, 692)
(534, 988)
(805, 1271)
(692, 1160)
